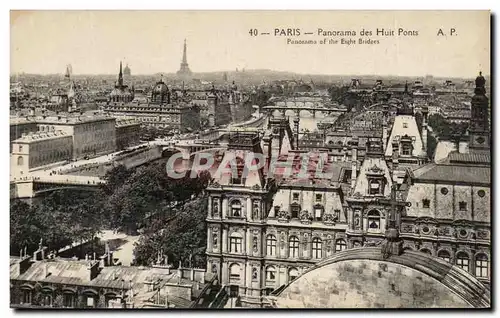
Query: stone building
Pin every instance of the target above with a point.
(127, 132)
(450, 209)
(45, 281)
(263, 235)
(92, 135)
(161, 111)
(37, 149)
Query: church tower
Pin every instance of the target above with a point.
(479, 122)
(184, 71)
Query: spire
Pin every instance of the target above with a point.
(120, 76)
(184, 54)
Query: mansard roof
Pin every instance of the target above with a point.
(454, 173)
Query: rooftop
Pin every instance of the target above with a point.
(39, 136)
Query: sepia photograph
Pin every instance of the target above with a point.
(250, 159)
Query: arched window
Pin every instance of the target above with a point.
(293, 273)
(20, 161)
(271, 273)
(293, 247)
(234, 271)
(340, 245)
(317, 245)
(236, 208)
(374, 220)
(271, 245)
(68, 299)
(235, 243)
(425, 251)
(462, 261)
(444, 255)
(482, 266)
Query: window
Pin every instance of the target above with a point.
(406, 149)
(374, 220)
(482, 266)
(317, 247)
(463, 261)
(426, 203)
(26, 296)
(47, 300)
(271, 245)
(462, 206)
(319, 198)
(271, 273)
(336, 214)
(68, 300)
(318, 212)
(20, 148)
(293, 273)
(296, 196)
(235, 243)
(234, 271)
(90, 301)
(444, 191)
(340, 245)
(20, 161)
(405, 125)
(444, 255)
(236, 208)
(293, 247)
(481, 193)
(295, 210)
(374, 187)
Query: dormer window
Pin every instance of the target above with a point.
(295, 211)
(406, 148)
(426, 203)
(375, 187)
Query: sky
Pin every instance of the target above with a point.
(94, 42)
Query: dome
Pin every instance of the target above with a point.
(363, 278)
(160, 88)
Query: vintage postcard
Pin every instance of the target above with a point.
(250, 159)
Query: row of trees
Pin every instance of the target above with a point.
(170, 212)
(445, 129)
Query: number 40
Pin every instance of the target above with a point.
(253, 32)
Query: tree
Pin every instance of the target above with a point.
(182, 238)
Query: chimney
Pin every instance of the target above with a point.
(24, 264)
(425, 111)
(384, 134)
(354, 160)
(179, 273)
(395, 154)
(92, 269)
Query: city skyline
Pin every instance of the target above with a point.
(94, 42)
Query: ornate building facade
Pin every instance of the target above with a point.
(263, 234)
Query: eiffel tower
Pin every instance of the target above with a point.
(184, 71)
